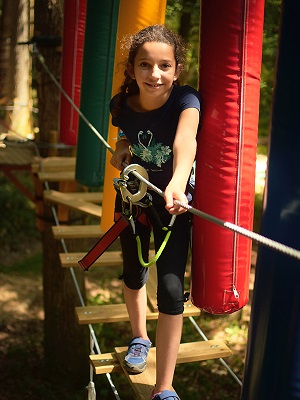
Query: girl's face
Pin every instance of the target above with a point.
(154, 68)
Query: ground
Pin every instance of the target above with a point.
(21, 339)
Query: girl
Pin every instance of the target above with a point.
(158, 122)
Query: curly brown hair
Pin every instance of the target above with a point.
(153, 33)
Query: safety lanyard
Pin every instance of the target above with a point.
(139, 197)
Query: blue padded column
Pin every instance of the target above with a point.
(272, 369)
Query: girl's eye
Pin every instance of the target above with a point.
(144, 65)
(166, 66)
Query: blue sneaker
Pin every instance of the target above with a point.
(135, 360)
(164, 395)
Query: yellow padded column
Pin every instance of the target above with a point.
(134, 15)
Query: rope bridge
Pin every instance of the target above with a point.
(115, 362)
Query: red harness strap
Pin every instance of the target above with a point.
(99, 248)
(107, 239)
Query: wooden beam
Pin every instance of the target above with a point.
(77, 231)
(152, 289)
(188, 352)
(54, 164)
(109, 258)
(57, 176)
(76, 201)
(107, 313)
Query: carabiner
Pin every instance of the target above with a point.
(142, 188)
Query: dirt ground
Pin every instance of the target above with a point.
(21, 337)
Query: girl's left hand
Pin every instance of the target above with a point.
(172, 194)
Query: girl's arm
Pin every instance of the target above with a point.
(121, 154)
(184, 151)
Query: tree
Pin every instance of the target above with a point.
(21, 121)
(183, 16)
(270, 45)
(7, 47)
(66, 343)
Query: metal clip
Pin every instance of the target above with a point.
(141, 191)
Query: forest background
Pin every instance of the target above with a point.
(33, 362)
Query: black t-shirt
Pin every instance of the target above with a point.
(151, 134)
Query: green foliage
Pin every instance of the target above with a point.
(188, 28)
(174, 19)
(270, 44)
(30, 265)
(17, 222)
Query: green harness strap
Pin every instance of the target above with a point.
(162, 246)
(157, 255)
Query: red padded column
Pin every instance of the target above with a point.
(72, 56)
(231, 50)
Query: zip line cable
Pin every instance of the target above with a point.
(41, 59)
(228, 225)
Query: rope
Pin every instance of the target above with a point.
(201, 333)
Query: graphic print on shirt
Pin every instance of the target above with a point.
(149, 151)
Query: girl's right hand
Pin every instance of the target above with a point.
(121, 155)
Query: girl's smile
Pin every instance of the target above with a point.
(155, 71)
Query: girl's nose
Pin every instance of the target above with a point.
(155, 73)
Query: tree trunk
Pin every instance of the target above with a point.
(66, 343)
(7, 50)
(20, 118)
(188, 7)
(47, 24)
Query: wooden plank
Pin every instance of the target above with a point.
(142, 384)
(57, 176)
(188, 352)
(77, 231)
(118, 312)
(105, 363)
(93, 197)
(152, 289)
(76, 202)
(107, 259)
(106, 313)
(54, 164)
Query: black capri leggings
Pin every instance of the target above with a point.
(171, 263)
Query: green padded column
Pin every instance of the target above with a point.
(97, 72)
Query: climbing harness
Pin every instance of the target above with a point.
(134, 198)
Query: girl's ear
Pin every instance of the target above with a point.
(178, 71)
(130, 70)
